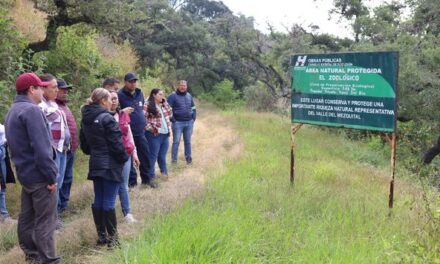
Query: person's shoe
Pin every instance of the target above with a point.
(130, 219)
(8, 220)
(60, 224)
(163, 177)
(153, 184)
(189, 160)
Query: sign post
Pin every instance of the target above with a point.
(352, 90)
(292, 153)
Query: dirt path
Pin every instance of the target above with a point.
(214, 141)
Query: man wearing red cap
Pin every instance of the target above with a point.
(28, 135)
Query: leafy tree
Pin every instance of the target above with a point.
(64, 13)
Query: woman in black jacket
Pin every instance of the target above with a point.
(101, 138)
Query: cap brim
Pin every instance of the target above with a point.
(133, 79)
(43, 84)
(65, 87)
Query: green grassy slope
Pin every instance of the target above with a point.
(336, 213)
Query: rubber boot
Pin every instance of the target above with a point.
(111, 226)
(98, 218)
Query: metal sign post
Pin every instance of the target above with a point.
(393, 169)
(292, 152)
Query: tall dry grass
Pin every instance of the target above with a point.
(122, 54)
(28, 20)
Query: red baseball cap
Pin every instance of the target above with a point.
(28, 79)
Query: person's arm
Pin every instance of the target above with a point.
(134, 154)
(170, 101)
(193, 109)
(85, 147)
(40, 141)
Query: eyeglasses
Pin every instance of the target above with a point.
(132, 81)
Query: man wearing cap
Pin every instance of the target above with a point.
(59, 130)
(131, 96)
(184, 115)
(61, 100)
(111, 84)
(28, 135)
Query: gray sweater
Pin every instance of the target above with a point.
(28, 136)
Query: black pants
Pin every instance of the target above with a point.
(432, 152)
(143, 153)
(37, 222)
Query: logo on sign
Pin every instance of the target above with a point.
(301, 61)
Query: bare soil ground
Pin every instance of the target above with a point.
(214, 141)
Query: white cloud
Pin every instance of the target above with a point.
(284, 13)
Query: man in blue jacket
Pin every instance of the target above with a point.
(131, 96)
(184, 115)
(28, 136)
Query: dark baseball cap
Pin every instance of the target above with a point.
(62, 84)
(28, 79)
(130, 77)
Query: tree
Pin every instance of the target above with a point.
(351, 10)
(64, 13)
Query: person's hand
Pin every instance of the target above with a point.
(128, 110)
(52, 187)
(136, 161)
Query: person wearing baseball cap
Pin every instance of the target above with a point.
(62, 100)
(131, 96)
(29, 140)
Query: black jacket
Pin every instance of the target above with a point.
(10, 177)
(101, 138)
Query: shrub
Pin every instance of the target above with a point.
(258, 97)
(223, 95)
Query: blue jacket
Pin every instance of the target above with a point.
(28, 136)
(136, 100)
(183, 106)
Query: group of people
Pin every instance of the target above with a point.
(120, 130)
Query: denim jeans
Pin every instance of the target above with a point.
(67, 182)
(123, 188)
(179, 128)
(143, 153)
(132, 178)
(3, 211)
(105, 194)
(158, 152)
(61, 165)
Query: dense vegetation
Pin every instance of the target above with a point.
(221, 54)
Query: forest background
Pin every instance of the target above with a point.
(225, 59)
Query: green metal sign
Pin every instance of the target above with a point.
(355, 90)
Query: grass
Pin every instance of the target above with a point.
(336, 213)
(81, 198)
(22, 12)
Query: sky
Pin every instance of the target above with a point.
(283, 13)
